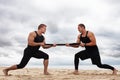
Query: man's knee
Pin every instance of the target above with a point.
(46, 56)
(99, 65)
(77, 56)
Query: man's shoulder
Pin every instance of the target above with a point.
(32, 33)
(79, 35)
(90, 33)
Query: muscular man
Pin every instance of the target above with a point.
(35, 40)
(87, 40)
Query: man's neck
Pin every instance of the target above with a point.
(39, 32)
(84, 32)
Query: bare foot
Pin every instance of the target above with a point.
(76, 72)
(46, 73)
(114, 72)
(5, 71)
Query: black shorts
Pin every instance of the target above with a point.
(28, 54)
(93, 55)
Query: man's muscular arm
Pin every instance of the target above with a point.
(92, 38)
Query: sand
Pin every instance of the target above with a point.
(58, 74)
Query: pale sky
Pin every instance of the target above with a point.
(20, 17)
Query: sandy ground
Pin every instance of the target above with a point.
(58, 74)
